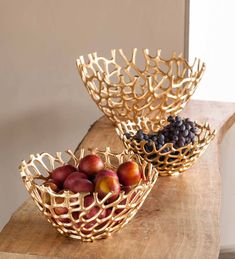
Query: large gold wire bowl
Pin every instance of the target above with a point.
(73, 222)
(174, 160)
(142, 85)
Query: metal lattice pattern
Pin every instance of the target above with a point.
(143, 85)
(175, 160)
(73, 222)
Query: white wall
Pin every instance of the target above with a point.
(43, 103)
(212, 38)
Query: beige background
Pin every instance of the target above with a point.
(43, 103)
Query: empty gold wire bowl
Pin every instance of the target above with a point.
(169, 162)
(73, 223)
(125, 88)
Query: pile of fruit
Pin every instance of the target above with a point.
(180, 132)
(92, 176)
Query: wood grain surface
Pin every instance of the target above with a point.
(179, 219)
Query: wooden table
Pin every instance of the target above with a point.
(179, 219)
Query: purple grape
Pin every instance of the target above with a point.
(185, 133)
(193, 130)
(170, 118)
(187, 126)
(191, 135)
(177, 118)
(182, 128)
(148, 148)
(128, 135)
(178, 131)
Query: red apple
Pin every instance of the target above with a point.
(106, 184)
(72, 178)
(107, 213)
(64, 220)
(59, 200)
(76, 214)
(78, 225)
(103, 173)
(86, 226)
(76, 183)
(88, 200)
(129, 173)
(127, 188)
(60, 210)
(91, 165)
(61, 173)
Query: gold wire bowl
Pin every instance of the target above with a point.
(143, 85)
(121, 211)
(167, 163)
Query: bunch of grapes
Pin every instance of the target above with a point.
(180, 132)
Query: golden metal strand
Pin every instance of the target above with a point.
(167, 163)
(74, 223)
(143, 85)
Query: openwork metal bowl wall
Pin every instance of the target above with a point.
(173, 161)
(142, 85)
(74, 223)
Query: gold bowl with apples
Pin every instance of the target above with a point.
(92, 195)
(142, 84)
